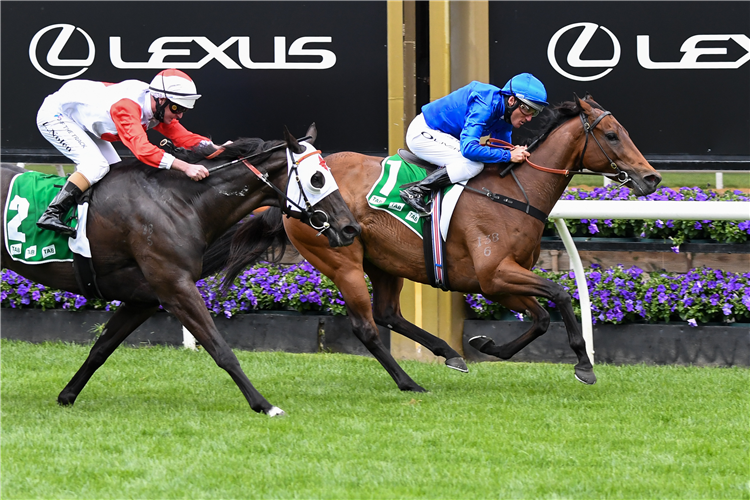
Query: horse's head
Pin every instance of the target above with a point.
(312, 194)
(612, 150)
(295, 172)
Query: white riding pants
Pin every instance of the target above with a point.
(441, 149)
(92, 155)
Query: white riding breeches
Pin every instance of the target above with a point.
(92, 155)
(441, 149)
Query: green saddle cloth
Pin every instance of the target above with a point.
(384, 195)
(30, 194)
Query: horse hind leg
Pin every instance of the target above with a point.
(386, 311)
(122, 323)
(539, 326)
(515, 281)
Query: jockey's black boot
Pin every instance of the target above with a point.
(53, 217)
(414, 195)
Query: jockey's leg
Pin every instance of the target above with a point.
(440, 149)
(415, 194)
(91, 155)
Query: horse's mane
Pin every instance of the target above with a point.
(553, 117)
(243, 146)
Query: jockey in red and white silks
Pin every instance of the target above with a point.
(84, 117)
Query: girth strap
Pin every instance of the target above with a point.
(512, 203)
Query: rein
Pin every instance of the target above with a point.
(306, 211)
(621, 176)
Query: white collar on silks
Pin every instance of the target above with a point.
(309, 163)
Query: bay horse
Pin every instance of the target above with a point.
(149, 229)
(490, 248)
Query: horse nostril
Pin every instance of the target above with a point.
(653, 179)
(352, 231)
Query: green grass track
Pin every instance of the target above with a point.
(168, 423)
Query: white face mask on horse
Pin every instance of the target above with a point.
(310, 179)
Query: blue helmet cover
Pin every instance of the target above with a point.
(526, 87)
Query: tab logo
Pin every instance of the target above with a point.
(48, 251)
(31, 252)
(16, 249)
(377, 200)
(396, 206)
(412, 217)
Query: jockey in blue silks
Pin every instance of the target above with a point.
(448, 130)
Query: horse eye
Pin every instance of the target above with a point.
(611, 136)
(318, 180)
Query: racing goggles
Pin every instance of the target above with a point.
(528, 110)
(176, 108)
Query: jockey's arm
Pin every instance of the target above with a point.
(478, 114)
(126, 117)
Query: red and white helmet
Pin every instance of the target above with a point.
(176, 86)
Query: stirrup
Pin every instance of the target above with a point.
(54, 224)
(415, 202)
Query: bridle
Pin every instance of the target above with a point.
(307, 212)
(621, 176)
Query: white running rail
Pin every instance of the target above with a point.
(629, 209)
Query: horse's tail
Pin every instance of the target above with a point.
(250, 242)
(216, 256)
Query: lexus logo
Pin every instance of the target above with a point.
(165, 47)
(691, 49)
(53, 56)
(574, 55)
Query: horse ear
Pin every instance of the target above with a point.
(581, 104)
(588, 96)
(312, 131)
(577, 100)
(291, 142)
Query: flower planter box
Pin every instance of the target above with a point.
(660, 344)
(260, 331)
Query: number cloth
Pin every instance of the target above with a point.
(384, 194)
(30, 193)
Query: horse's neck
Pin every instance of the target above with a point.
(560, 151)
(234, 193)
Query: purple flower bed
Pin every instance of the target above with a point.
(678, 231)
(300, 287)
(619, 295)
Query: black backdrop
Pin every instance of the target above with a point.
(348, 101)
(703, 112)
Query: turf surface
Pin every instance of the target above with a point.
(167, 423)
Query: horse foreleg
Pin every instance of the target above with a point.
(122, 323)
(386, 309)
(354, 290)
(514, 280)
(192, 313)
(343, 266)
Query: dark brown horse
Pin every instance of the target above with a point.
(490, 248)
(149, 229)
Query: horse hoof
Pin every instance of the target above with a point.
(480, 342)
(586, 377)
(457, 363)
(413, 388)
(66, 400)
(275, 411)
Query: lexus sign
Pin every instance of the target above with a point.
(259, 66)
(668, 71)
